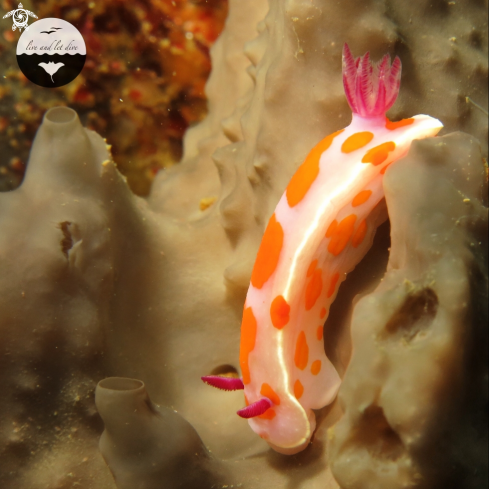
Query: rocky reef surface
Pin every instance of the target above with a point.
(97, 282)
(141, 87)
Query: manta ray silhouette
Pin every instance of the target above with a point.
(51, 68)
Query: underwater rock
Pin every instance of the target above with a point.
(228, 85)
(56, 274)
(414, 393)
(96, 282)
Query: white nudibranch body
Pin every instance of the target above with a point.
(321, 228)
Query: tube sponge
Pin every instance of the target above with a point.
(146, 446)
(66, 151)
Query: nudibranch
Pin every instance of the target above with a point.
(321, 228)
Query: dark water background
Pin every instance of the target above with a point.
(29, 64)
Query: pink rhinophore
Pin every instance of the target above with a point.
(256, 409)
(224, 383)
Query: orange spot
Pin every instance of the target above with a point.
(342, 235)
(315, 367)
(313, 289)
(311, 268)
(268, 414)
(301, 356)
(332, 285)
(395, 125)
(361, 198)
(298, 389)
(279, 312)
(267, 391)
(385, 168)
(379, 154)
(332, 229)
(248, 339)
(356, 141)
(268, 254)
(322, 313)
(319, 333)
(305, 175)
(264, 436)
(359, 235)
(135, 95)
(246, 400)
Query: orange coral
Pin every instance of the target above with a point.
(142, 84)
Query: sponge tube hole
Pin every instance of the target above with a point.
(225, 371)
(60, 115)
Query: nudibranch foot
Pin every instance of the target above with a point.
(289, 451)
(224, 383)
(256, 409)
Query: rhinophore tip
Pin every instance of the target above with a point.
(255, 409)
(371, 89)
(224, 383)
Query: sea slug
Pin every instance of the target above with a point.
(322, 227)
